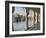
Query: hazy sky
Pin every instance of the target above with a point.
(20, 10)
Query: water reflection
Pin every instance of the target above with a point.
(20, 26)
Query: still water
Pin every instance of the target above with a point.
(20, 26)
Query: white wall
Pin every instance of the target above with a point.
(2, 19)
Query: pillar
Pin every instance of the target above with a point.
(35, 17)
(25, 18)
(32, 17)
